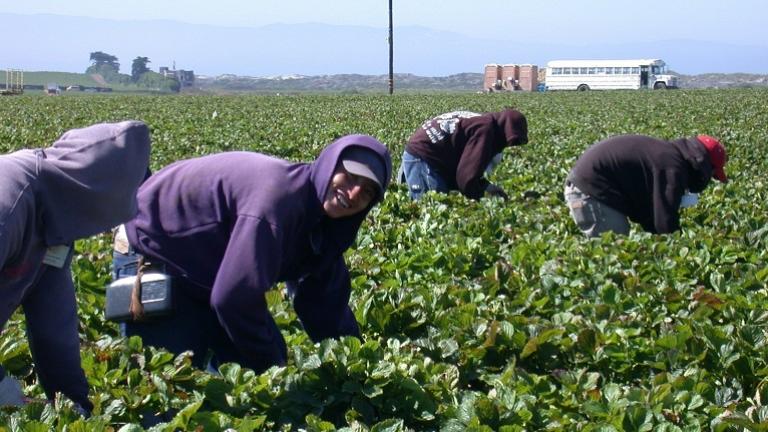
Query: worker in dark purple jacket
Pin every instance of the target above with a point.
(82, 185)
(640, 179)
(230, 226)
(455, 150)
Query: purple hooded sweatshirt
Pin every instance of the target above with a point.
(459, 145)
(235, 224)
(84, 184)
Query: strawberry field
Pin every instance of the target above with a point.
(480, 316)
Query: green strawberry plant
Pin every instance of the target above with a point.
(481, 316)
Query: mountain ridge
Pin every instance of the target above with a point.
(361, 83)
(65, 42)
(462, 82)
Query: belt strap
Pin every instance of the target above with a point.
(137, 308)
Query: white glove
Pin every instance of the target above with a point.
(10, 392)
(689, 199)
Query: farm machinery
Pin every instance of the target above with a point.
(14, 82)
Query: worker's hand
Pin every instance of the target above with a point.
(10, 393)
(494, 191)
(82, 411)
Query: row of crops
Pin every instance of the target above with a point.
(481, 316)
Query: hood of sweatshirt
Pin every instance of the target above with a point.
(89, 177)
(512, 125)
(696, 155)
(343, 231)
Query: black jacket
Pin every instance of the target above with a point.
(643, 177)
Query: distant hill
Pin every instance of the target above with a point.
(356, 83)
(719, 80)
(39, 80)
(464, 82)
(63, 79)
(65, 42)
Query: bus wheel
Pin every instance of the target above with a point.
(582, 87)
(660, 86)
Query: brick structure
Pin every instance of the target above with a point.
(510, 77)
(510, 74)
(529, 77)
(491, 77)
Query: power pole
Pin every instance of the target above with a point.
(391, 53)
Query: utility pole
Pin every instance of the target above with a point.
(391, 53)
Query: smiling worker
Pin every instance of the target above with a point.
(228, 227)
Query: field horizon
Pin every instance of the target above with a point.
(483, 315)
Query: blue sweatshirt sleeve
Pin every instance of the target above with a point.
(51, 314)
(321, 302)
(249, 268)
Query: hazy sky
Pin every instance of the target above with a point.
(576, 21)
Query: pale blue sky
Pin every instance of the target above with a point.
(584, 21)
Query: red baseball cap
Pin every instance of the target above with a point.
(717, 156)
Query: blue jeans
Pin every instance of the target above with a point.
(420, 177)
(592, 216)
(192, 326)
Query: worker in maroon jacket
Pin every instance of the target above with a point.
(455, 150)
(642, 179)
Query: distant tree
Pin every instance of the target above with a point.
(156, 82)
(99, 59)
(105, 65)
(139, 68)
